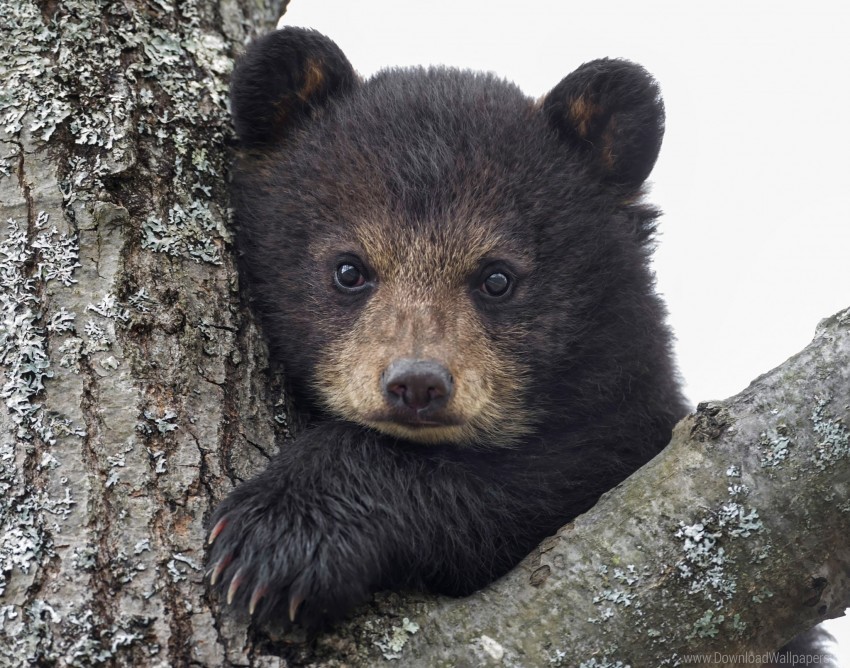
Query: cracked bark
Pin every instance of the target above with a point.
(157, 400)
(101, 547)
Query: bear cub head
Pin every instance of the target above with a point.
(438, 257)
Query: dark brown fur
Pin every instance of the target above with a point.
(427, 184)
(538, 400)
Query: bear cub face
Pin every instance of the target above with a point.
(456, 281)
(436, 256)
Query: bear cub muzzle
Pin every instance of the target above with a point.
(417, 391)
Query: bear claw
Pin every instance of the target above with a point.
(234, 586)
(256, 597)
(220, 565)
(216, 530)
(295, 601)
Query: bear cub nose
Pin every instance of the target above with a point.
(422, 386)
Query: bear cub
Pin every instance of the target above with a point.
(455, 279)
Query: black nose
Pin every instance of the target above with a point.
(419, 385)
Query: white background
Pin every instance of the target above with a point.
(754, 173)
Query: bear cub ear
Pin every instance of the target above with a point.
(611, 111)
(282, 78)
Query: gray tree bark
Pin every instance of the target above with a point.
(137, 395)
(136, 388)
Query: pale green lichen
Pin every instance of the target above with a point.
(775, 446)
(627, 577)
(116, 463)
(99, 334)
(557, 657)
(704, 561)
(625, 595)
(184, 231)
(833, 436)
(179, 565)
(57, 254)
(176, 82)
(706, 564)
(61, 322)
(85, 558)
(25, 523)
(108, 307)
(142, 301)
(163, 422)
(22, 338)
(100, 74)
(392, 643)
(86, 643)
(707, 626)
(738, 491)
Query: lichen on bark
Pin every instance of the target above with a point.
(127, 360)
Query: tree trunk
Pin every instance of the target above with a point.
(138, 395)
(136, 386)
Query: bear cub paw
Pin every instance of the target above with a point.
(284, 562)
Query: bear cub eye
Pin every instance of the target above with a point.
(496, 284)
(348, 277)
